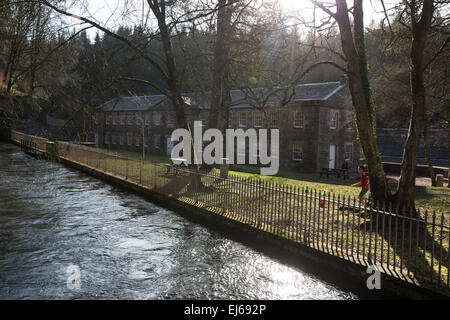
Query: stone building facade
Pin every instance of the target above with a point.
(316, 125)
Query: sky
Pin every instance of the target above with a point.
(101, 11)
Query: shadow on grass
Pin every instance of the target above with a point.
(420, 256)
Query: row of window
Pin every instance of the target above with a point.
(137, 119)
(242, 119)
(120, 140)
(297, 151)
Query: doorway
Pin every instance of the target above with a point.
(332, 159)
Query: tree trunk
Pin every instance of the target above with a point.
(220, 97)
(354, 51)
(159, 10)
(426, 144)
(405, 194)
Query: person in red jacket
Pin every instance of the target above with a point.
(363, 182)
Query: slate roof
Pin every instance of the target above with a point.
(133, 103)
(303, 92)
(318, 91)
(240, 98)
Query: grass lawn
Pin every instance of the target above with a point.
(427, 197)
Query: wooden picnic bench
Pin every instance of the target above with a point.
(175, 167)
(334, 172)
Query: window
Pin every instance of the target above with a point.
(203, 120)
(297, 151)
(121, 140)
(243, 119)
(157, 118)
(348, 151)
(156, 139)
(113, 119)
(361, 154)
(122, 119)
(138, 119)
(113, 139)
(275, 119)
(107, 118)
(299, 119)
(334, 119)
(145, 141)
(232, 120)
(258, 119)
(129, 138)
(147, 119)
(130, 119)
(170, 121)
(350, 123)
(138, 141)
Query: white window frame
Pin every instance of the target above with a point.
(351, 121)
(203, 120)
(241, 124)
(232, 119)
(297, 149)
(333, 119)
(348, 144)
(297, 120)
(138, 140)
(361, 154)
(138, 119)
(275, 116)
(257, 115)
(157, 141)
(157, 118)
(170, 121)
(129, 139)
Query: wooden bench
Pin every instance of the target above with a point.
(173, 166)
(334, 172)
(169, 166)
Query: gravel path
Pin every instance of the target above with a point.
(420, 181)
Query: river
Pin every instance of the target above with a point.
(54, 220)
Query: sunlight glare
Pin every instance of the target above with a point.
(295, 4)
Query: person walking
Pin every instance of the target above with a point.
(363, 182)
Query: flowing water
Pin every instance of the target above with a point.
(53, 217)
